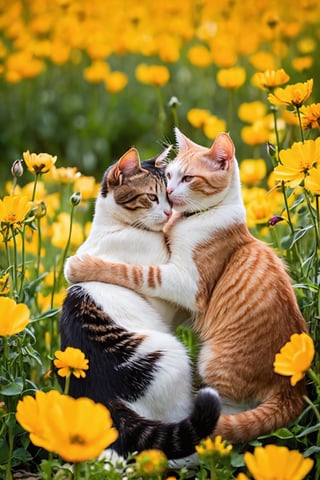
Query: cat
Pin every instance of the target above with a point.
(137, 367)
(238, 288)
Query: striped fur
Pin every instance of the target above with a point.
(245, 307)
(137, 367)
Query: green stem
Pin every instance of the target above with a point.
(162, 114)
(35, 187)
(300, 124)
(38, 248)
(65, 253)
(15, 266)
(274, 113)
(230, 109)
(22, 261)
(67, 384)
(10, 442)
(314, 408)
(77, 467)
(287, 206)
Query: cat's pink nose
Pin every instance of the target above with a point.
(169, 191)
(167, 213)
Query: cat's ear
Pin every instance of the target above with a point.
(222, 151)
(161, 160)
(129, 163)
(183, 143)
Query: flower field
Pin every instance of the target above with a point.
(81, 82)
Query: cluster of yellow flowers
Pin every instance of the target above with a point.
(41, 31)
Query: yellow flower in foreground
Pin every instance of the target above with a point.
(277, 463)
(295, 357)
(151, 462)
(76, 429)
(71, 360)
(270, 79)
(39, 163)
(13, 209)
(292, 95)
(231, 78)
(209, 446)
(297, 161)
(14, 317)
(312, 181)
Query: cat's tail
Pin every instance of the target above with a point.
(277, 411)
(176, 440)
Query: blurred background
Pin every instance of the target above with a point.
(87, 79)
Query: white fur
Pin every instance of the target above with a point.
(179, 277)
(169, 396)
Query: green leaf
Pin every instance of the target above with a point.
(13, 388)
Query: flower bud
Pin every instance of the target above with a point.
(174, 102)
(275, 219)
(271, 150)
(75, 198)
(17, 168)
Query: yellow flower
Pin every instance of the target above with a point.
(312, 181)
(13, 209)
(76, 429)
(38, 163)
(65, 175)
(208, 446)
(231, 78)
(292, 95)
(302, 64)
(4, 284)
(97, 71)
(255, 134)
(297, 161)
(157, 75)
(250, 112)
(214, 125)
(277, 463)
(197, 117)
(252, 170)
(295, 357)
(87, 186)
(13, 317)
(310, 115)
(115, 81)
(199, 56)
(270, 79)
(71, 360)
(151, 462)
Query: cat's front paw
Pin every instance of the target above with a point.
(80, 268)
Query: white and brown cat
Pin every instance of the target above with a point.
(244, 304)
(137, 367)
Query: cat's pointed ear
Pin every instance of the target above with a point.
(129, 163)
(222, 151)
(162, 159)
(183, 142)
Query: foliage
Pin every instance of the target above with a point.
(81, 81)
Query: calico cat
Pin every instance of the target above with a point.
(137, 367)
(245, 307)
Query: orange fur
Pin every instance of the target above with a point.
(244, 304)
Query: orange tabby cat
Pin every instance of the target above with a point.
(245, 307)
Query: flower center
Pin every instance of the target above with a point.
(77, 439)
